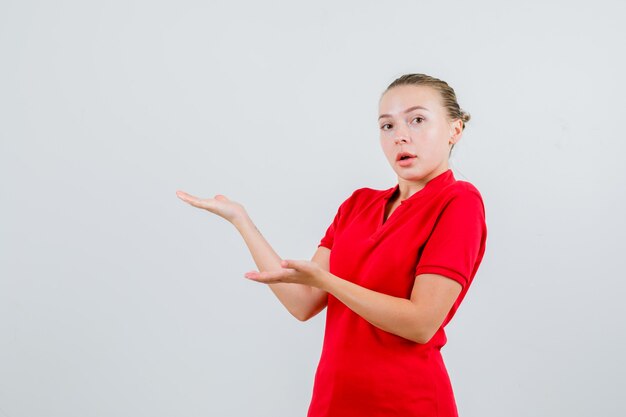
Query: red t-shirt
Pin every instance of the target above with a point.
(365, 371)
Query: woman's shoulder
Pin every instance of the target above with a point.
(368, 193)
(461, 187)
(363, 195)
(462, 194)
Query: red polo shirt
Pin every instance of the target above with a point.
(365, 371)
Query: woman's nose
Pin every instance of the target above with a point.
(402, 134)
(400, 139)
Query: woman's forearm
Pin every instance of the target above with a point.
(396, 315)
(297, 298)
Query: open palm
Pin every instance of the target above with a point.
(220, 205)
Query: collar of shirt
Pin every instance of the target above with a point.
(434, 184)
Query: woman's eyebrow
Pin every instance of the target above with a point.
(410, 109)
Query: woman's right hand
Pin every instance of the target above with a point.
(220, 205)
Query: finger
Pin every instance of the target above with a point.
(182, 194)
(267, 281)
(268, 276)
(185, 196)
(194, 201)
(294, 264)
(265, 275)
(264, 280)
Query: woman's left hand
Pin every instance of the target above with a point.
(292, 271)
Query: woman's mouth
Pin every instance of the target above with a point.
(406, 161)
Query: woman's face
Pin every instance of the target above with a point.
(412, 120)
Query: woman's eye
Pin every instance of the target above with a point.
(386, 126)
(420, 119)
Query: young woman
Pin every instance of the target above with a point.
(391, 269)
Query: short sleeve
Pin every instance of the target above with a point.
(329, 236)
(457, 243)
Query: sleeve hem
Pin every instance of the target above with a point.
(448, 273)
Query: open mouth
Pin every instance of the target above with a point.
(404, 155)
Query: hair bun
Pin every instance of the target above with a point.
(465, 116)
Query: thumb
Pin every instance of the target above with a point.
(221, 197)
(293, 264)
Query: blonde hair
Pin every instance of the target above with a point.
(447, 93)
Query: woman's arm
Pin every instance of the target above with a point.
(302, 301)
(416, 319)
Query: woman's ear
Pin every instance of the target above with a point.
(456, 131)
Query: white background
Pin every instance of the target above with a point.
(118, 299)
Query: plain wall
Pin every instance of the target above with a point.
(118, 299)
